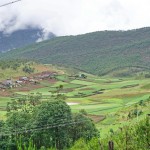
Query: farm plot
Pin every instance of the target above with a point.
(96, 107)
(3, 104)
(101, 98)
(82, 82)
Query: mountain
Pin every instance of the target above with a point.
(21, 38)
(97, 53)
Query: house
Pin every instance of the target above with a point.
(2, 87)
(19, 82)
(33, 81)
(82, 76)
(23, 79)
(8, 83)
(45, 75)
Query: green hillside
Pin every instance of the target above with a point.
(97, 53)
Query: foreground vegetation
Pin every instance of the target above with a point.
(132, 137)
(30, 121)
(48, 124)
(33, 124)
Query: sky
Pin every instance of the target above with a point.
(72, 17)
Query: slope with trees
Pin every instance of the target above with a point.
(98, 52)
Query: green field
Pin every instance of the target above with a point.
(108, 97)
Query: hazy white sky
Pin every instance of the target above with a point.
(66, 17)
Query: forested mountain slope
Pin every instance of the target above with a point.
(98, 52)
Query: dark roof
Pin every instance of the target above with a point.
(2, 86)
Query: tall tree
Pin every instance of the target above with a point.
(54, 118)
(85, 128)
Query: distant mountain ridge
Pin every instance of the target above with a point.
(21, 38)
(97, 53)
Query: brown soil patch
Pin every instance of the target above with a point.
(3, 108)
(5, 93)
(130, 95)
(53, 81)
(96, 118)
(68, 90)
(86, 89)
(44, 72)
(28, 87)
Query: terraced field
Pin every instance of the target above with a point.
(107, 101)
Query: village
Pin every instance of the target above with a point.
(24, 80)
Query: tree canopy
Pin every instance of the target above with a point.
(49, 124)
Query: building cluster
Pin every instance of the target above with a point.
(9, 83)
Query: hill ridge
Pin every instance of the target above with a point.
(97, 52)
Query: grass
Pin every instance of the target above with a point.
(4, 100)
(82, 82)
(147, 86)
(3, 103)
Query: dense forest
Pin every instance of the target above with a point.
(97, 53)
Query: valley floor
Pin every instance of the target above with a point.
(108, 101)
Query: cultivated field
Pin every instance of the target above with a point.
(106, 100)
